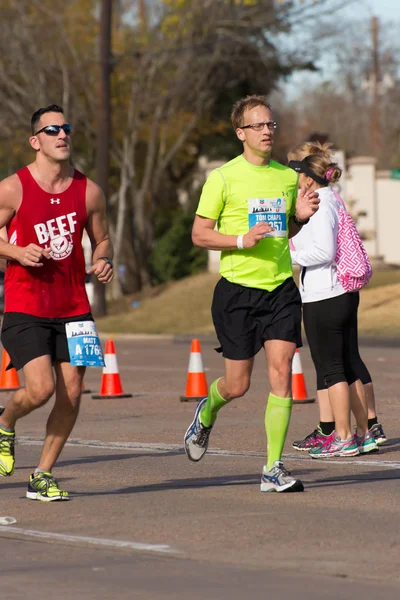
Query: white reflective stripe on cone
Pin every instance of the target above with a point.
(195, 363)
(296, 364)
(111, 365)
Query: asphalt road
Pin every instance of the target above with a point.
(144, 522)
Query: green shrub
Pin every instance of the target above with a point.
(174, 255)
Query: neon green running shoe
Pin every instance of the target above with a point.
(44, 487)
(7, 454)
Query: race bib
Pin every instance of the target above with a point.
(271, 210)
(84, 344)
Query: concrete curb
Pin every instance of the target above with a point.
(160, 337)
(186, 338)
(157, 337)
(384, 342)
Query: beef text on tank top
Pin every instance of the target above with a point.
(55, 222)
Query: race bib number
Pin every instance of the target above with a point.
(270, 210)
(84, 344)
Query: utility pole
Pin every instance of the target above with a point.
(376, 130)
(143, 15)
(99, 305)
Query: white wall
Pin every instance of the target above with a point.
(379, 196)
(388, 201)
(360, 186)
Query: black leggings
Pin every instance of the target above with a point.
(332, 333)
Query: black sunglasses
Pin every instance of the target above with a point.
(55, 129)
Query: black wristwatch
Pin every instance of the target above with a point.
(298, 222)
(107, 260)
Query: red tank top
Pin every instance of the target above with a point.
(55, 222)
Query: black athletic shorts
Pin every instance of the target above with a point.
(26, 337)
(244, 318)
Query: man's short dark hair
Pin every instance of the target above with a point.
(42, 111)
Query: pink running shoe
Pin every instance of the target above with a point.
(336, 447)
(312, 440)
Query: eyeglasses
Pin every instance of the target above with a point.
(260, 126)
(55, 129)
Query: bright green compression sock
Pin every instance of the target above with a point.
(214, 403)
(277, 417)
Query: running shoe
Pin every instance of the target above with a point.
(197, 436)
(44, 487)
(7, 453)
(366, 443)
(378, 433)
(336, 447)
(313, 440)
(277, 479)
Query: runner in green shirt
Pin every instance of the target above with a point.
(255, 204)
(239, 195)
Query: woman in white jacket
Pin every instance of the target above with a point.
(365, 385)
(329, 312)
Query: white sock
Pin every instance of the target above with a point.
(38, 471)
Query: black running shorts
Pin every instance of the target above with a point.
(244, 318)
(26, 337)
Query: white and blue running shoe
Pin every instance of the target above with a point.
(197, 436)
(277, 479)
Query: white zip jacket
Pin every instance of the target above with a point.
(315, 250)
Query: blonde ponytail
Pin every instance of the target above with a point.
(310, 148)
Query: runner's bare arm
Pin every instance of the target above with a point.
(4, 237)
(205, 236)
(97, 229)
(10, 200)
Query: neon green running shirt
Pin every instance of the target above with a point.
(239, 194)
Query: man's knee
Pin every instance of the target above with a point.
(281, 371)
(70, 398)
(40, 392)
(237, 388)
(279, 358)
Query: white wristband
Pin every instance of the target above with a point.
(239, 242)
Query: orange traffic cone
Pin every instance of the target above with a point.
(9, 380)
(196, 384)
(110, 382)
(299, 390)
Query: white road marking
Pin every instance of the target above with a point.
(360, 461)
(7, 520)
(77, 539)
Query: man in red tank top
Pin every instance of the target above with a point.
(46, 207)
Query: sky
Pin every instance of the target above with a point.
(386, 10)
